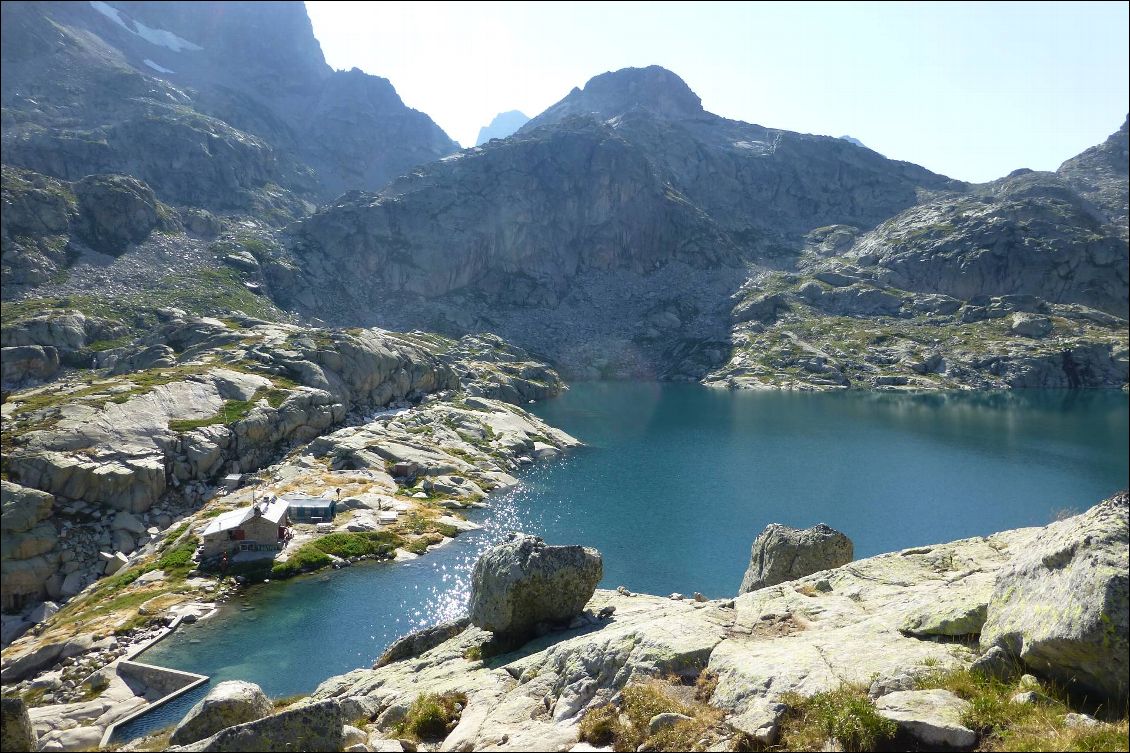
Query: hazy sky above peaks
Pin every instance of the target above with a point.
(971, 90)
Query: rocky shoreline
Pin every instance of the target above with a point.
(122, 575)
(87, 667)
(1036, 613)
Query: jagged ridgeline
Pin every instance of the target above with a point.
(624, 232)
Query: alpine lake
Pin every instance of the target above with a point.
(673, 485)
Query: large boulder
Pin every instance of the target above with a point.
(16, 732)
(116, 211)
(63, 330)
(317, 726)
(782, 554)
(27, 541)
(13, 669)
(416, 643)
(1061, 605)
(523, 582)
(1030, 325)
(22, 508)
(27, 363)
(226, 705)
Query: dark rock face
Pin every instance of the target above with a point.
(1099, 174)
(416, 643)
(527, 237)
(37, 217)
(210, 103)
(357, 134)
(540, 208)
(27, 362)
(628, 185)
(654, 89)
(18, 734)
(116, 211)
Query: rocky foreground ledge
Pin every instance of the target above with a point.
(1039, 614)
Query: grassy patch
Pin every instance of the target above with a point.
(626, 728)
(1060, 737)
(276, 397)
(130, 600)
(704, 686)
(445, 529)
(156, 741)
(417, 546)
(373, 543)
(1004, 725)
(287, 700)
(431, 717)
(846, 715)
(599, 726)
(100, 345)
(177, 561)
(232, 411)
(32, 696)
(101, 595)
(175, 534)
(307, 558)
(416, 524)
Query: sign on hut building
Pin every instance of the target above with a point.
(258, 528)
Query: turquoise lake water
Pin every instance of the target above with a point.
(674, 484)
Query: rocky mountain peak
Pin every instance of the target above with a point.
(654, 89)
(236, 36)
(1113, 154)
(503, 125)
(143, 88)
(1100, 174)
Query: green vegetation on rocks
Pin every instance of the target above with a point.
(379, 544)
(305, 559)
(232, 410)
(177, 560)
(628, 727)
(431, 716)
(845, 715)
(319, 553)
(1003, 724)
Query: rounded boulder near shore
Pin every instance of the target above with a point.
(781, 554)
(523, 582)
(226, 705)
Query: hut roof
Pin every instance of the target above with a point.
(273, 511)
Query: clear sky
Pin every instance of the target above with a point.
(971, 90)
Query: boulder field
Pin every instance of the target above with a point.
(1050, 601)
